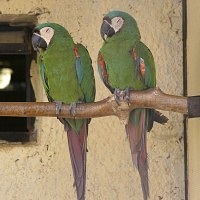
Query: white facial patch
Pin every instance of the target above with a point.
(117, 23)
(46, 33)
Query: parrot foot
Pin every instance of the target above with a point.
(122, 95)
(58, 105)
(73, 109)
(122, 98)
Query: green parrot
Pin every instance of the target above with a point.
(68, 77)
(124, 64)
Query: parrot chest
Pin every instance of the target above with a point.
(61, 79)
(121, 67)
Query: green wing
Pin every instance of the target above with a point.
(145, 71)
(44, 78)
(85, 74)
(144, 55)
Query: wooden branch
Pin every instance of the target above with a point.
(152, 98)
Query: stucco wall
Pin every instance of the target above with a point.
(42, 170)
(193, 48)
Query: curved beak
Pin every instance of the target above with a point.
(106, 29)
(38, 42)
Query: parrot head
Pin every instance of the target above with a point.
(44, 35)
(119, 24)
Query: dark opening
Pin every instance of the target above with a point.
(16, 54)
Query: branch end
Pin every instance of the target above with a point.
(193, 104)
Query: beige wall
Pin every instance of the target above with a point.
(193, 49)
(43, 171)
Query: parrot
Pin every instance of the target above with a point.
(125, 63)
(68, 77)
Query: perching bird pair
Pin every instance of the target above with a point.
(124, 64)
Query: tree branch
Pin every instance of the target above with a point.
(152, 98)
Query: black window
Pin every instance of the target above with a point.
(16, 54)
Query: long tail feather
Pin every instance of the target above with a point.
(156, 116)
(137, 140)
(77, 148)
(159, 117)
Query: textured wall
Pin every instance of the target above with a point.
(43, 171)
(193, 48)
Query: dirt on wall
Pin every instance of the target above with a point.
(42, 170)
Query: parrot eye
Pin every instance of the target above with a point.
(47, 33)
(48, 30)
(117, 23)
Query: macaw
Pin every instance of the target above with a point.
(68, 77)
(124, 64)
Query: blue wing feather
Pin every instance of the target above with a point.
(85, 73)
(79, 70)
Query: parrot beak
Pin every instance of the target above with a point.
(38, 42)
(106, 28)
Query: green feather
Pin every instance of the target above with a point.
(117, 52)
(59, 73)
(129, 64)
(130, 29)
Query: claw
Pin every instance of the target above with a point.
(127, 95)
(122, 98)
(58, 105)
(117, 95)
(73, 109)
(122, 95)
